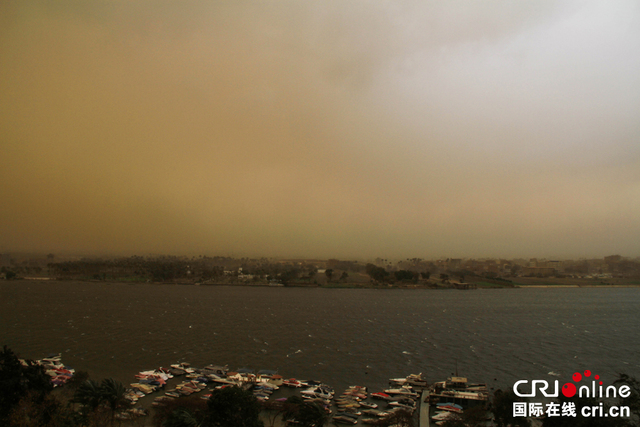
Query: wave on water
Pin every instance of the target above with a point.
(493, 337)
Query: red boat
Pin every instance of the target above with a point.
(381, 395)
(292, 382)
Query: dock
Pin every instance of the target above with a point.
(424, 420)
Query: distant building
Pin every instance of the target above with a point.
(557, 265)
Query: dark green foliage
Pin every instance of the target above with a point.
(289, 275)
(76, 381)
(633, 401)
(180, 410)
(233, 407)
(46, 412)
(379, 274)
(89, 395)
(305, 413)
(406, 276)
(312, 414)
(112, 393)
(291, 407)
(108, 395)
(16, 381)
(475, 416)
(181, 417)
(329, 273)
(502, 406)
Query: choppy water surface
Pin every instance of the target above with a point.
(340, 336)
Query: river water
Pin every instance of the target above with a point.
(339, 336)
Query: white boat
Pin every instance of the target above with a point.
(368, 405)
(404, 404)
(317, 392)
(325, 402)
(405, 391)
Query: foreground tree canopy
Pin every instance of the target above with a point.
(18, 381)
(233, 407)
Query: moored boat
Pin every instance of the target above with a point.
(368, 405)
(381, 395)
(405, 391)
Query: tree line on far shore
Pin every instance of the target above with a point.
(205, 269)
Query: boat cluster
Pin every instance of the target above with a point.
(353, 402)
(196, 381)
(54, 367)
(449, 398)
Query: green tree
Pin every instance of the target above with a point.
(184, 410)
(112, 395)
(406, 276)
(181, 417)
(88, 395)
(633, 401)
(290, 408)
(273, 409)
(378, 274)
(10, 275)
(329, 273)
(17, 380)
(312, 414)
(311, 272)
(475, 416)
(304, 413)
(47, 412)
(502, 407)
(100, 399)
(233, 407)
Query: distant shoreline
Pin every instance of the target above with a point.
(472, 285)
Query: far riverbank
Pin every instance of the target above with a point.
(469, 284)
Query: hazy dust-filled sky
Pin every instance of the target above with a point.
(347, 129)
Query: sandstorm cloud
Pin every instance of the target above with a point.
(321, 129)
